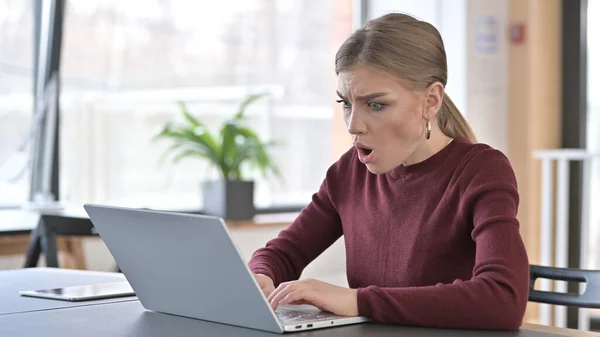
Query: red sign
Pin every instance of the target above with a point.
(517, 33)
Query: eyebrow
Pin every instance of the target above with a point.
(365, 97)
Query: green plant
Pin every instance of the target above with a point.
(235, 144)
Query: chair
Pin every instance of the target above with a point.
(589, 299)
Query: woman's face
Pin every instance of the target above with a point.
(384, 116)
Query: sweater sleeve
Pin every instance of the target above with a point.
(496, 295)
(316, 228)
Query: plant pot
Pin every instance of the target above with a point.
(229, 199)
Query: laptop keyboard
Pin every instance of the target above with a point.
(292, 316)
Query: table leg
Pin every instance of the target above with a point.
(48, 243)
(34, 249)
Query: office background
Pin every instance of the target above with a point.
(525, 73)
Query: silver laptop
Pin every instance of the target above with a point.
(187, 265)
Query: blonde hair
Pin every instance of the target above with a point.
(410, 49)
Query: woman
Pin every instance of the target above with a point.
(428, 216)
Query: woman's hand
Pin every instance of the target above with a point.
(327, 297)
(265, 283)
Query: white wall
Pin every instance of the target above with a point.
(452, 24)
(477, 80)
(487, 73)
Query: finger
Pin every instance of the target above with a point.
(285, 285)
(278, 289)
(296, 297)
(274, 292)
(304, 298)
(278, 294)
(283, 293)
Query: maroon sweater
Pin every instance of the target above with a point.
(432, 244)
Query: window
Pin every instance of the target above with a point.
(125, 64)
(16, 87)
(593, 124)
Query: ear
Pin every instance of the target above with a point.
(434, 97)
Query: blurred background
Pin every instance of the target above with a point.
(525, 73)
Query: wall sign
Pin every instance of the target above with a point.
(486, 34)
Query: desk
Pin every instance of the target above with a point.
(18, 236)
(51, 224)
(12, 281)
(129, 318)
(35, 232)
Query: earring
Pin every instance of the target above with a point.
(427, 129)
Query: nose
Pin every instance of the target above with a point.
(355, 124)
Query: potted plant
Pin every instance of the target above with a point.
(234, 146)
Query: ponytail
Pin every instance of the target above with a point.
(452, 123)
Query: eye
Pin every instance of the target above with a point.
(375, 106)
(345, 104)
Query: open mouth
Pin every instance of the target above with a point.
(365, 154)
(365, 151)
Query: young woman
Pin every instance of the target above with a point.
(428, 215)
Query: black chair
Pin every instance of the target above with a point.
(589, 299)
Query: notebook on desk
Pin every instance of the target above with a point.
(187, 265)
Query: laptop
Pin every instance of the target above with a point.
(187, 265)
